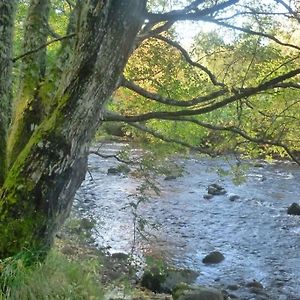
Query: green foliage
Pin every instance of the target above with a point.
(56, 278)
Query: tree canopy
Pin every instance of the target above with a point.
(212, 76)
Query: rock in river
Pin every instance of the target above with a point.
(234, 197)
(215, 189)
(208, 196)
(294, 209)
(164, 280)
(185, 292)
(214, 257)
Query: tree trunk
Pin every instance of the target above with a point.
(7, 12)
(29, 107)
(38, 191)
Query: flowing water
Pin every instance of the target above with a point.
(259, 240)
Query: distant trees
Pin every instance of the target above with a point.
(62, 75)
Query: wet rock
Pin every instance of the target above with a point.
(215, 189)
(170, 177)
(208, 196)
(164, 281)
(232, 287)
(232, 296)
(214, 257)
(120, 169)
(254, 284)
(234, 198)
(258, 165)
(120, 256)
(176, 276)
(294, 209)
(113, 171)
(152, 279)
(186, 292)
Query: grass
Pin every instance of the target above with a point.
(57, 277)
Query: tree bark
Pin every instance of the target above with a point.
(29, 107)
(38, 191)
(7, 13)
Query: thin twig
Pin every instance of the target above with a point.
(43, 46)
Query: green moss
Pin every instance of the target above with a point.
(18, 196)
(20, 233)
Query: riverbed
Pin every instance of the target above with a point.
(259, 240)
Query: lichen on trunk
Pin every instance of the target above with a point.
(40, 186)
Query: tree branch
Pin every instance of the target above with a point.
(106, 156)
(181, 15)
(169, 101)
(250, 31)
(168, 139)
(289, 9)
(232, 129)
(187, 57)
(148, 32)
(43, 46)
(239, 94)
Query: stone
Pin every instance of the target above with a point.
(294, 209)
(170, 177)
(233, 287)
(113, 171)
(215, 189)
(176, 276)
(234, 198)
(120, 169)
(120, 256)
(196, 293)
(208, 196)
(152, 279)
(164, 281)
(258, 165)
(254, 284)
(214, 257)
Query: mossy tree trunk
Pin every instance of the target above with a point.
(29, 107)
(7, 12)
(39, 188)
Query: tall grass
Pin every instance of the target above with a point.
(56, 278)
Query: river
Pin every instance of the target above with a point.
(259, 240)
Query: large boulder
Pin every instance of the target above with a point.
(185, 292)
(294, 209)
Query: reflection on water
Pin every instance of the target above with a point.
(255, 234)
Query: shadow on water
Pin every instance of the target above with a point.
(259, 240)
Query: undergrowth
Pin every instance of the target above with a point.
(57, 277)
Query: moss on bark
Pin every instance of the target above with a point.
(7, 13)
(42, 182)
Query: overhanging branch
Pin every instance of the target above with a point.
(169, 101)
(164, 138)
(250, 31)
(232, 129)
(238, 95)
(181, 15)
